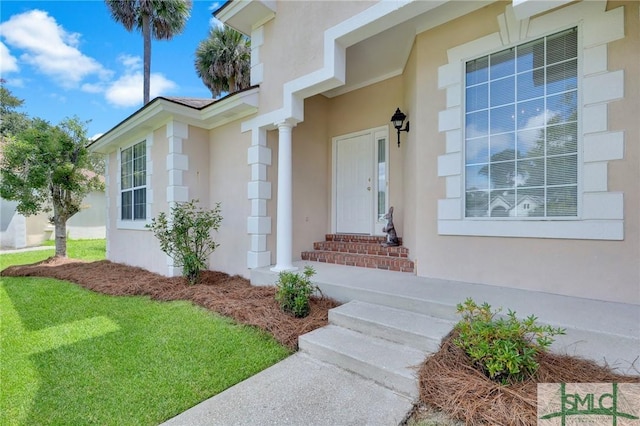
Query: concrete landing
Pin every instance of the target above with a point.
(606, 332)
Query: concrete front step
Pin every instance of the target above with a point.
(390, 364)
(397, 325)
(375, 249)
(606, 332)
(363, 260)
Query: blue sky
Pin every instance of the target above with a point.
(66, 58)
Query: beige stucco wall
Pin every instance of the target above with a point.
(311, 176)
(286, 57)
(607, 270)
(139, 247)
(229, 174)
(197, 147)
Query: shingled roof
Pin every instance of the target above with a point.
(197, 103)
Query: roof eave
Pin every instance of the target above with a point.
(245, 15)
(161, 110)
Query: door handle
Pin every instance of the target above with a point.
(368, 188)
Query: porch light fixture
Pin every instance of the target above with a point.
(398, 120)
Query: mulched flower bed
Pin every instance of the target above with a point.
(231, 296)
(450, 382)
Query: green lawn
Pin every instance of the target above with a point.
(71, 356)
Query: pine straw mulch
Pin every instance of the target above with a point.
(449, 382)
(231, 296)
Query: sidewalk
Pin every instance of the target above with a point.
(37, 248)
(300, 391)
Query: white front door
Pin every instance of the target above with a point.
(354, 160)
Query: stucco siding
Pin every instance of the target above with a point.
(311, 176)
(229, 174)
(294, 43)
(90, 221)
(196, 177)
(606, 270)
(138, 247)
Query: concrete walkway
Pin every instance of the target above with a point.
(303, 390)
(22, 250)
(300, 391)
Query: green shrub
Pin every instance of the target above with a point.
(186, 238)
(505, 349)
(294, 290)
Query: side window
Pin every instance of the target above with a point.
(521, 130)
(133, 181)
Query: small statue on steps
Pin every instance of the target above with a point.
(390, 230)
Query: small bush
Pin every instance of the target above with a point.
(294, 290)
(505, 349)
(187, 237)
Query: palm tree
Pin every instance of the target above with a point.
(223, 61)
(161, 19)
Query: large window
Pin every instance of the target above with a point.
(521, 135)
(133, 181)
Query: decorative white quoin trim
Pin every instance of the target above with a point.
(107, 186)
(259, 191)
(177, 164)
(257, 68)
(600, 210)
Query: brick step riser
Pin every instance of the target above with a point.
(353, 238)
(365, 261)
(361, 248)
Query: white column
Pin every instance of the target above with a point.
(284, 235)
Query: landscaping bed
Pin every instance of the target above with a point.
(452, 390)
(232, 296)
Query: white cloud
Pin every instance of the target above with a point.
(130, 62)
(8, 63)
(93, 87)
(536, 122)
(15, 82)
(49, 48)
(213, 21)
(127, 90)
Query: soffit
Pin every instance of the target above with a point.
(385, 54)
(244, 15)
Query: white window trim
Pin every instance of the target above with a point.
(139, 224)
(600, 212)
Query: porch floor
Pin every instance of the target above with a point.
(606, 332)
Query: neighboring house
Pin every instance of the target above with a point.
(18, 231)
(514, 106)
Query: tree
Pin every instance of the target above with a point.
(160, 19)
(11, 121)
(48, 167)
(223, 61)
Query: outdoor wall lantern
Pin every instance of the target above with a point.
(397, 120)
